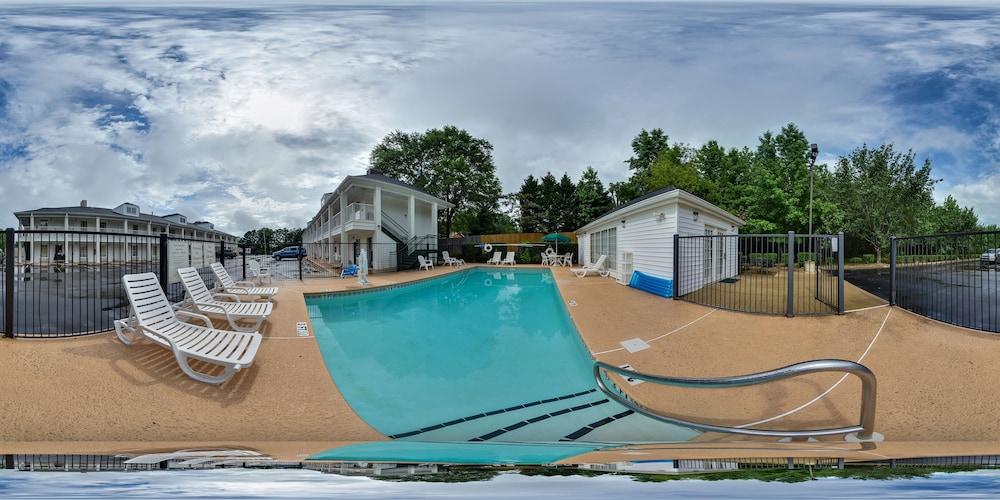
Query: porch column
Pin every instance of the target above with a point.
(377, 206)
(97, 239)
(412, 214)
(33, 238)
(327, 236)
(434, 219)
(345, 256)
(66, 237)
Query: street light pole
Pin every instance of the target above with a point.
(813, 153)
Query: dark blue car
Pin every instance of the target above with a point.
(289, 253)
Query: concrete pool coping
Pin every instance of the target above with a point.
(85, 394)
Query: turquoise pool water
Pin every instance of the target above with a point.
(480, 355)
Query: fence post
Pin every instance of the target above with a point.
(300, 266)
(677, 266)
(8, 303)
(164, 279)
(244, 263)
(840, 273)
(892, 270)
(222, 253)
(790, 263)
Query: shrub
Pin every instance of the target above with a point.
(855, 260)
(804, 257)
(868, 258)
(524, 256)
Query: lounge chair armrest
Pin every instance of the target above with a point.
(194, 315)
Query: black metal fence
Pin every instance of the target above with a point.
(789, 274)
(948, 277)
(66, 283)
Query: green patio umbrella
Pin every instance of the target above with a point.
(555, 238)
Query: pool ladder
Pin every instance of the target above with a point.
(864, 431)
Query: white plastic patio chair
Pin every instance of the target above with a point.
(243, 288)
(449, 260)
(425, 264)
(258, 272)
(203, 301)
(154, 318)
(509, 259)
(566, 260)
(598, 268)
(495, 260)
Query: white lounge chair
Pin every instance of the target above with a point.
(205, 302)
(598, 268)
(509, 259)
(425, 264)
(451, 261)
(496, 258)
(257, 272)
(154, 318)
(243, 288)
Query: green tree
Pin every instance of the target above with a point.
(548, 199)
(448, 163)
(593, 200)
(623, 191)
(883, 193)
(646, 149)
(567, 205)
(670, 170)
(528, 200)
(950, 217)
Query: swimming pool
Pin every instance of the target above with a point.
(481, 355)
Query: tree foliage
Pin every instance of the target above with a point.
(266, 240)
(883, 193)
(448, 163)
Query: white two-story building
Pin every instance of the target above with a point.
(392, 220)
(92, 235)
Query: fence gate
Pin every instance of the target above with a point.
(790, 274)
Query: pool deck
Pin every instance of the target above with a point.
(937, 394)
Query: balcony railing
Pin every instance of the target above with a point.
(359, 212)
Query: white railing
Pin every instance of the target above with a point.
(360, 212)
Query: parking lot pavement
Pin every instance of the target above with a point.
(961, 293)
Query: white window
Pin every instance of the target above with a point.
(604, 243)
(131, 210)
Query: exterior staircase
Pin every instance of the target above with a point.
(407, 247)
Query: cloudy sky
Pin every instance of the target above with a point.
(245, 115)
(235, 483)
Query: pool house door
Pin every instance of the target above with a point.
(713, 256)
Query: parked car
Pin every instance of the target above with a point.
(989, 257)
(230, 253)
(289, 253)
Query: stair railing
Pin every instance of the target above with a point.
(865, 430)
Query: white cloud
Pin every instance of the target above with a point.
(253, 114)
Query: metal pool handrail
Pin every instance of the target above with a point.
(865, 428)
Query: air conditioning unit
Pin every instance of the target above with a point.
(625, 268)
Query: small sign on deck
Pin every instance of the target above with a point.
(630, 380)
(302, 329)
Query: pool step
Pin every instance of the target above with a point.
(479, 425)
